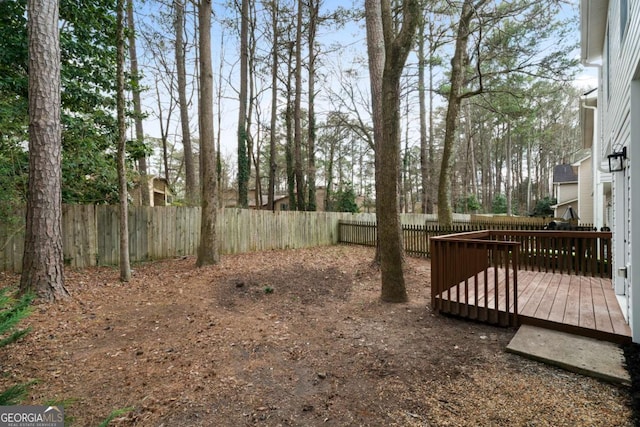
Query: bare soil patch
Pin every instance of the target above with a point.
(285, 338)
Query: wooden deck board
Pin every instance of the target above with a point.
(587, 318)
(600, 311)
(572, 311)
(579, 303)
(560, 302)
(536, 295)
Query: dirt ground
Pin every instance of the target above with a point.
(285, 338)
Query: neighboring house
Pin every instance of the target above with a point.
(281, 201)
(610, 35)
(573, 189)
(565, 189)
(159, 192)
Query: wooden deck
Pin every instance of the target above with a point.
(577, 304)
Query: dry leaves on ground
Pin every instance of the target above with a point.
(294, 337)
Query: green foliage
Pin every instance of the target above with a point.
(87, 49)
(14, 165)
(12, 311)
(344, 200)
(114, 414)
(499, 205)
(89, 173)
(14, 394)
(467, 204)
(65, 403)
(543, 207)
(137, 150)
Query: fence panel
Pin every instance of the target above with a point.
(91, 234)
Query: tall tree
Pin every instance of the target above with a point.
(42, 265)
(297, 113)
(519, 38)
(289, 126)
(208, 252)
(314, 11)
(125, 266)
(191, 182)
(244, 161)
(273, 166)
(458, 64)
(137, 105)
(396, 44)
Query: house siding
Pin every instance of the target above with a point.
(566, 192)
(585, 192)
(618, 129)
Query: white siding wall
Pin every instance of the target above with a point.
(621, 60)
(585, 192)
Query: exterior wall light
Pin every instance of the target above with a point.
(616, 160)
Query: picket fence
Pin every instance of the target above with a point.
(91, 233)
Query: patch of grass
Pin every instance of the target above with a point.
(114, 414)
(12, 310)
(14, 395)
(65, 403)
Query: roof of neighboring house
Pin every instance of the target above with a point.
(564, 173)
(265, 200)
(580, 156)
(565, 203)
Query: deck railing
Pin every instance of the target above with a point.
(581, 253)
(475, 275)
(585, 253)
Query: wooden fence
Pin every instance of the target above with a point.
(416, 236)
(91, 233)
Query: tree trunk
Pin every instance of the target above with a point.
(191, 182)
(251, 75)
(424, 142)
(314, 6)
(376, 53)
(432, 149)
(137, 105)
(289, 149)
(43, 260)
(472, 152)
(445, 213)
(164, 131)
(508, 169)
(396, 49)
(208, 252)
(274, 108)
(243, 159)
(221, 185)
(297, 114)
(125, 266)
